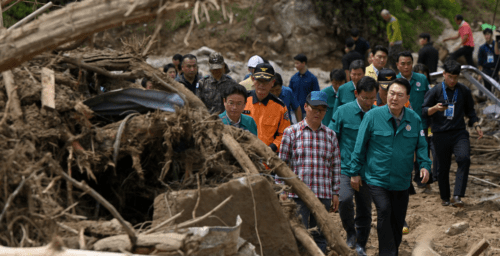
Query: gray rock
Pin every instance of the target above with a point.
(276, 41)
(261, 23)
(457, 228)
(203, 51)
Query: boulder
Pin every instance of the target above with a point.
(457, 228)
(273, 226)
(261, 23)
(276, 41)
(302, 31)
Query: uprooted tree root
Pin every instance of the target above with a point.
(158, 151)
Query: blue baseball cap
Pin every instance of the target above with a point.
(317, 98)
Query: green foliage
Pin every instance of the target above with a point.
(182, 18)
(246, 14)
(413, 16)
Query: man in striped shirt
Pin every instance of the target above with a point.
(312, 152)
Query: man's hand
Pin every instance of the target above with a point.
(440, 107)
(335, 204)
(479, 132)
(424, 174)
(356, 182)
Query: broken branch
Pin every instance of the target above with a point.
(81, 185)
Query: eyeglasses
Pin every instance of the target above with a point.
(320, 110)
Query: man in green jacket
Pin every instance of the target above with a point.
(337, 77)
(235, 99)
(419, 86)
(345, 123)
(394, 35)
(345, 94)
(387, 140)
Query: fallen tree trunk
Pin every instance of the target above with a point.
(327, 227)
(306, 240)
(73, 22)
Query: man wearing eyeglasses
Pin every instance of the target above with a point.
(235, 98)
(387, 139)
(345, 123)
(268, 111)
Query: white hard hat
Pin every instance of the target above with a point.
(254, 61)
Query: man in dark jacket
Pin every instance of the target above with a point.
(446, 105)
(189, 76)
(428, 55)
(487, 56)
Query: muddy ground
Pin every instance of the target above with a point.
(427, 218)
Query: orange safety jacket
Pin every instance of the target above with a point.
(271, 116)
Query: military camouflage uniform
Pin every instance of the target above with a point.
(210, 92)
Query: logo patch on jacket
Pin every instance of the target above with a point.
(246, 112)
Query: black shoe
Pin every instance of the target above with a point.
(361, 251)
(351, 241)
(455, 201)
(445, 203)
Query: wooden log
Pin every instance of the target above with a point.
(73, 22)
(128, 75)
(15, 104)
(306, 240)
(55, 249)
(327, 227)
(48, 91)
(479, 248)
(240, 155)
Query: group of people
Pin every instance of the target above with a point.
(358, 140)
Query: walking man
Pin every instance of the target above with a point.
(467, 43)
(427, 55)
(446, 105)
(211, 88)
(350, 56)
(379, 60)
(345, 93)
(267, 110)
(362, 46)
(303, 82)
(487, 57)
(286, 95)
(189, 76)
(345, 123)
(337, 78)
(419, 86)
(312, 152)
(387, 139)
(394, 35)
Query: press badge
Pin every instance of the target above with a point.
(449, 111)
(490, 58)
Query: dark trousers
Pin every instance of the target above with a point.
(465, 51)
(447, 143)
(416, 166)
(488, 72)
(391, 213)
(434, 161)
(393, 55)
(363, 198)
(310, 222)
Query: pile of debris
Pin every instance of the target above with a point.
(90, 157)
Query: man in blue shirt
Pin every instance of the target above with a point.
(286, 95)
(337, 78)
(303, 82)
(487, 56)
